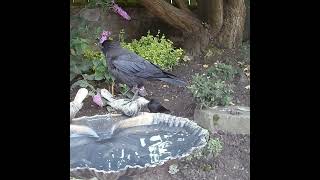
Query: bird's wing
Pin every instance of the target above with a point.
(155, 69)
(133, 64)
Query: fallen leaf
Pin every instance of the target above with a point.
(205, 65)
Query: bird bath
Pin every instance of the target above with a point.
(133, 144)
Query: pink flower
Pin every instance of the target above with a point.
(104, 36)
(121, 12)
(98, 100)
(105, 33)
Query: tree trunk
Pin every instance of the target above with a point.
(203, 10)
(192, 28)
(215, 15)
(246, 31)
(182, 5)
(231, 33)
(176, 17)
(226, 19)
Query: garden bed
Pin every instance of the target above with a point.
(180, 100)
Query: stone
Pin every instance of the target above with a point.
(233, 119)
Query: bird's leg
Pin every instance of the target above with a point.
(112, 88)
(135, 89)
(135, 95)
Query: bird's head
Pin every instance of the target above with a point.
(154, 101)
(155, 106)
(107, 42)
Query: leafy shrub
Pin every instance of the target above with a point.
(104, 4)
(86, 60)
(214, 87)
(214, 146)
(222, 71)
(155, 49)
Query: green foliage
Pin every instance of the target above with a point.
(83, 84)
(104, 4)
(124, 88)
(197, 154)
(86, 59)
(214, 147)
(223, 71)
(156, 49)
(206, 167)
(214, 87)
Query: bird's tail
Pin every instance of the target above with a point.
(173, 80)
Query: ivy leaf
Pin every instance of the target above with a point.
(104, 62)
(85, 66)
(82, 83)
(96, 63)
(72, 75)
(99, 76)
(101, 69)
(74, 69)
(89, 77)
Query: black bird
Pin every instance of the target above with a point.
(155, 106)
(129, 68)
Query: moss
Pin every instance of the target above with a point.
(215, 119)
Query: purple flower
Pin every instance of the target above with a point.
(98, 100)
(121, 12)
(104, 36)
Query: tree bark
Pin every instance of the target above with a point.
(196, 36)
(203, 10)
(176, 17)
(182, 5)
(231, 33)
(226, 19)
(246, 30)
(215, 15)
